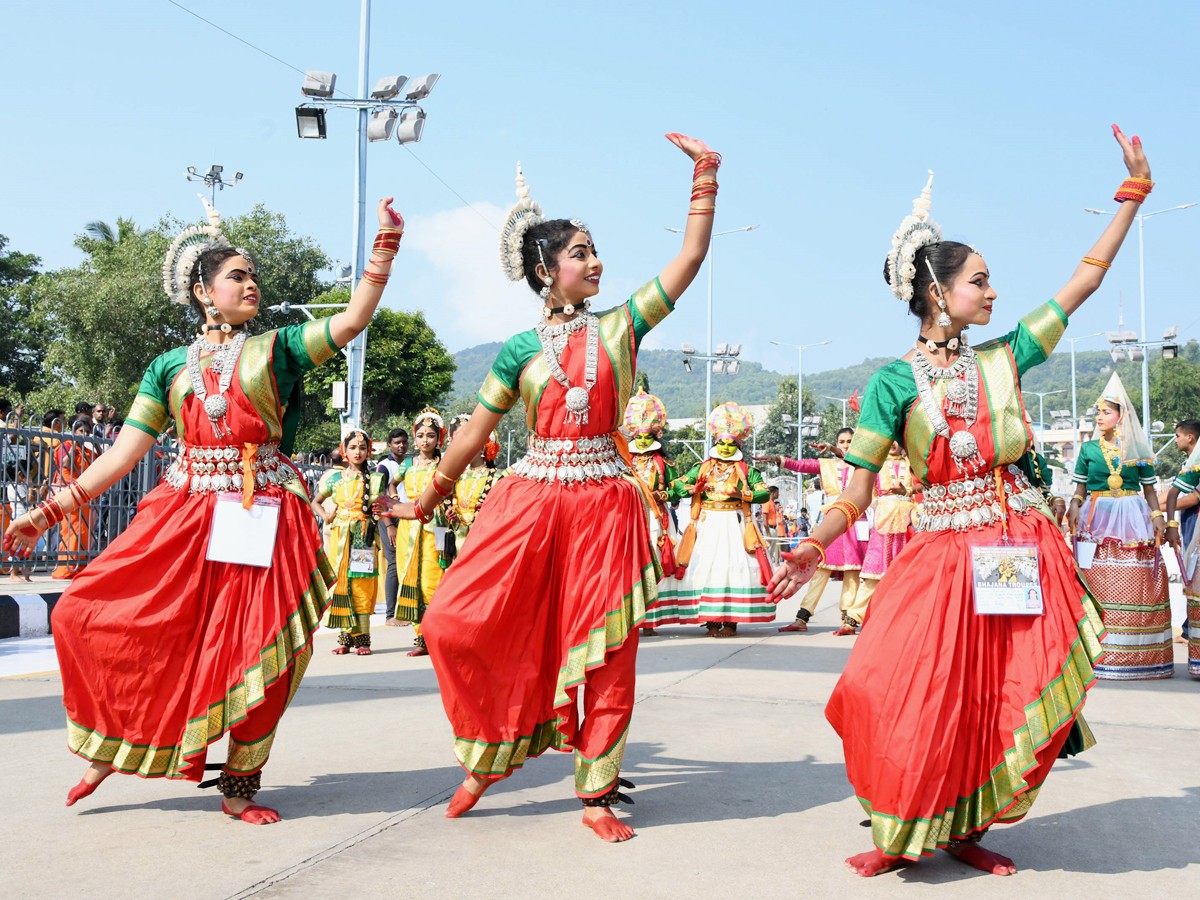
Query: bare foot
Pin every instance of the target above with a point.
(249, 812)
(871, 863)
(981, 858)
(607, 826)
(91, 779)
(467, 795)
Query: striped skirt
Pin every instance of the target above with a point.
(1130, 583)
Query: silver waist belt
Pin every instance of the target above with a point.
(571, 461)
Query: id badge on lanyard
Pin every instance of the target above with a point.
(1007, 580)
(243, 536)
(362, 560)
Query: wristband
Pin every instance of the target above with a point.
(1173, 523)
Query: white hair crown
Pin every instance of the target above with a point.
(916, 231)
(524, 215)
(186, 249)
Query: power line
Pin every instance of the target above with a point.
(284, 62)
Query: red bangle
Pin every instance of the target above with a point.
(1135, 189)
(791, 556)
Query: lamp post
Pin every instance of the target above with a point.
(1042, 395)
(708, 376)
(724, 361)
(212, 179)
(800, 348)
(1141, 217)
(1074, 405)
(842, 400)
(380, 115)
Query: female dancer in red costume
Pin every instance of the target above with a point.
(162, 650)
(951, 718)
(549, 592)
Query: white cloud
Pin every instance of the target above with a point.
(458, 282)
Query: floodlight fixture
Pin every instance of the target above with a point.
(345, 272)
(735, 349)
(191, 170)
(318, 84)
(687, 349)
(718, 367)
(388, 87)
(214, 169)
(381, 125)
(1170, 351)
(1157, 426)
(411, 125)
(310, 122)
(1171, 333)
(1118, 355)
(732, 367)
(687, 364)
(722, 349)
(1136, 354)
(419, 88)
(786, 418)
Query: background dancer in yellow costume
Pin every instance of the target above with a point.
(1116, 518)
(645, 419)
(353, 538)
(843, 558)
(891, 527)
(726, 558)
(417, 551)
(470, 493)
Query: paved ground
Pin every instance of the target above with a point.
(741, 791)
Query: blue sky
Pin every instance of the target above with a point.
(828, 117)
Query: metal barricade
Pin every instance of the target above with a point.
(36, 461)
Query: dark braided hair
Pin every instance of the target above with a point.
(553, 236)
(365, 472)
(947, 259)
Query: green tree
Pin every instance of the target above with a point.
(108, 318)
(407, 367)
(778, 436)
(22, 343)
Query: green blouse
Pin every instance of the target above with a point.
(1091, 470)
(891, 411)
(271, 365)
(682, 487)
(520, 371)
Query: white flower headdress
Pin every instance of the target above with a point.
(916, 231)
(523, 216)
(186, 249)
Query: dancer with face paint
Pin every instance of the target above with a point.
(727, 567)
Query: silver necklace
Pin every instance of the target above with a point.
(224, 362)
(962, 402)
(554, 341)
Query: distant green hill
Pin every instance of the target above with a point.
(683, 392)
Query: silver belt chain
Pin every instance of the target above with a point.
(571, 461)
(202, 469)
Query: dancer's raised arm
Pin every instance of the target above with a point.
(680, 271)
(1092, 269)
(346, 325)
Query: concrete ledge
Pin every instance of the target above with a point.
(26, 614)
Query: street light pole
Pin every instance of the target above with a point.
(356, 362)
(800, 348)
(708, 370)
(1141, 217)
(842, 400)
(1074, 404)
(1042, 395)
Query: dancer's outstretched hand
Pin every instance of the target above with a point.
(693, 147)
(797, 568)
(1135, 156)
(388, 217)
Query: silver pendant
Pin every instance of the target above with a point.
(957, 395)
(577, 406)
(215, 406)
